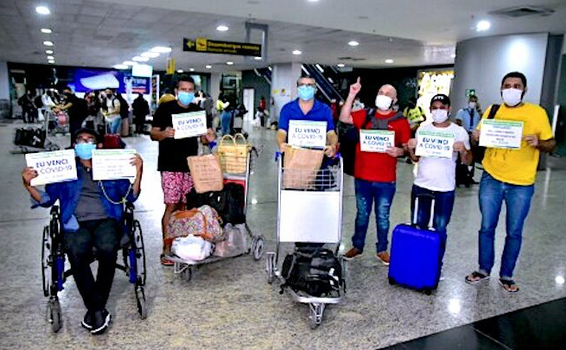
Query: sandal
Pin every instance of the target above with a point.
(476, 277)
(165, 261)
(509, 285)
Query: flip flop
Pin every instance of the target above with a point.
(508, 284)
(476, 277)
(165, 261)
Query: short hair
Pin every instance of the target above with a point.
(304, 76)
(475, 97)
(518, 75)
(185, 78)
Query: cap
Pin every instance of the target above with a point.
(88, 131)
(442, 98)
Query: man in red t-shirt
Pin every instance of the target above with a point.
(375, 172)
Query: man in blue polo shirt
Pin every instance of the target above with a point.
(307, 108)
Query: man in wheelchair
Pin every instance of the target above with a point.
(91, 213)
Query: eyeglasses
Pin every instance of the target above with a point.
(89, 140)
(307, 85)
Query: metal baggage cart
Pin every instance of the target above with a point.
(312, 214)
(48, 144)
(256, 242)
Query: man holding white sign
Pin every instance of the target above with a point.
(436, 148)
(510, 165)
(91, 213)
(176, 126)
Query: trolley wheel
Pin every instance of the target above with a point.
(54, 314)
(45, 261)
(269, 267)
(187, 274)
(428, 291)
(391, 281)
(257, 247)
(316, 312)
(53, 147)
(140, 252)
(140, 300)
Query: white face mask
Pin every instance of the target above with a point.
(512, 97)
(439, 115)
(472, 105)
(383, 102)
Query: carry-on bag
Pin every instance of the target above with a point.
(113, 141)
(416, 254)
(202, 222)
(206, 173)
(233, 154)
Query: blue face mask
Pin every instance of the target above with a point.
(306, 93)
(185, 97)
(84, 150)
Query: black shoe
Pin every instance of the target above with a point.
(100, 321)
(87, 321)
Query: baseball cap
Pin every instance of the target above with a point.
(442, 98)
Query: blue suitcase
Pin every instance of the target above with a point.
(415, 255)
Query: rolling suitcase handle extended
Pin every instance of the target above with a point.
(416, 211)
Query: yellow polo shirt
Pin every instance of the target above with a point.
(518, 167)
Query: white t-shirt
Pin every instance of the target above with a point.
(439, 174)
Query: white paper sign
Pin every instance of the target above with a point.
(189, 124)
(501, 134)
(435, 144)
(113, 164)
(376, 140)
(304, 133)
(52, 167)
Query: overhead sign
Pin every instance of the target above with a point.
(113, 164)
(189, 124)
(52, 167)
(376, 140)
(501, 134)
(221, 47)
(435, 144)
(307, 134)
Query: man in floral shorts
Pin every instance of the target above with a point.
(176, 180)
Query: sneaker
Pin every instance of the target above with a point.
(87, 321)
(352, 253)
(100, 321)
(383, 257)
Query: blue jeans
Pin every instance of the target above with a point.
(114, 125)
(518, 202)
(443, 205)
(226, 122)
(366, 193)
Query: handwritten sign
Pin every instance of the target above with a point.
(435, 144)
(52, 167)
(113, 164)
(501, 134)
(189, 124)
(376, 140)
(307, 134)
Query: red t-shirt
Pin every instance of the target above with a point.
(379, 167)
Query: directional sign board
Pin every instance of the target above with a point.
(221, 47)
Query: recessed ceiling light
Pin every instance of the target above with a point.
(161, 49)
(49, 52)
(180, 71)
(222, 28)
(191, 69)
(297, 52)
(129, 63)
(353, 43)
(229, 63)
(150, 54)
(46, 31)
(51, 62)
(140, 59)
(208, 66)
(341, 65)
(483, 25)
(389, 61)
(48, 43)
(313, 0)
(121, 66)
(50, 57)
(257, 58)
(453, 55)
(42, 10)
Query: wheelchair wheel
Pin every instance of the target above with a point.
(140, 252)
(46, 261)
(140, 300)
(54, 314)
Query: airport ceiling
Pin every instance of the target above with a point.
(405, 32)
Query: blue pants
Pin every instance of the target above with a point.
(366, 193)
(226, 122)
(518, 202)
(443, 205)
(114, 125)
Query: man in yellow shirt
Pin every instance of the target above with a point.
(509, 175)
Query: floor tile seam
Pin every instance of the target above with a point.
(491, 338)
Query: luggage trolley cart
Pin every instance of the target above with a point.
(36, 140)
(312, 215)
(185, 268)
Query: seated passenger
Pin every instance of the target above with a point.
(91, 213)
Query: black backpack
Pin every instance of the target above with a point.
(477, 150)
(315, 271)
(228, 203)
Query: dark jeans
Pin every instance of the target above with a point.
(518, 202)
(104, 235)
(367, 193)
(443, 205)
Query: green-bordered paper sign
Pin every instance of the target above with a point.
(435, 144)
(221, 47)
(189, 124)
(113, 164)
(52, 167)
(303, 133)
(501, 134)
(376, 140)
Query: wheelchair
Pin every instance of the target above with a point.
(53, 263)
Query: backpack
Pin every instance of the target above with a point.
(202, 222)
(349, 136)
(228, 203)
(315, 271)
(477, 150)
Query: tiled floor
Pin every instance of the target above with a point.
(230, 305)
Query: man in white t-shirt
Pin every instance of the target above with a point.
(435, 175)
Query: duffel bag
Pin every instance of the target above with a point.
(203, 222)
(228, 203)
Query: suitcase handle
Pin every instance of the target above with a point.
(432, 205)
